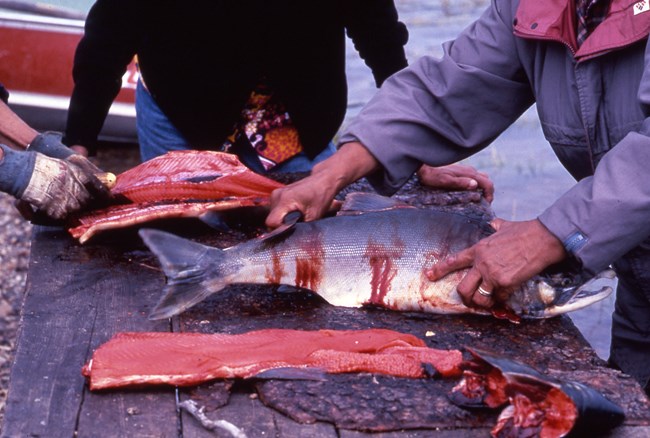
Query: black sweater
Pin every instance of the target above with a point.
(201, 58)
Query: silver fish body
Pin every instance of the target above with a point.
(373, 258)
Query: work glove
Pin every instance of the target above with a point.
(53, 186)
(49, 143)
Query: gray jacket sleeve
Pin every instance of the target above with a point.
(439, 111)
(606, 215)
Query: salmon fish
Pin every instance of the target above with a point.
(374, 252)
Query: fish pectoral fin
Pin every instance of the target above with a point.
(292, 373)
(357, 203)
(215, 220)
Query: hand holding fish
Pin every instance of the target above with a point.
(499, 263)
(314, 195)
(457, 177)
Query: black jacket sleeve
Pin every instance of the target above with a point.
(110, 41)
(378, 35)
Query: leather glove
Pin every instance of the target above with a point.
(49, 143)
(55, 187)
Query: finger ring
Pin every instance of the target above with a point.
(485, 293)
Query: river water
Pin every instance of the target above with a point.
(527, 175)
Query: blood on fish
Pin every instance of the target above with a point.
(308, 273)
(503, 313)
(277, 272)
(309, 266)
(383, 269)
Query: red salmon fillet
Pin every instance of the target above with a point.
(177, 184)
(185, 359)
(197, 175)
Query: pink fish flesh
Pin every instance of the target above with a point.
(185, 359)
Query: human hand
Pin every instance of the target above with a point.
(49, 143)
(53, 186)
(314, 195)
(498, 264)
(57, 187)
(457, 177)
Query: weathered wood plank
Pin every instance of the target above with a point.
(126, 289)
(78, 297)
(440, 433)
(245, 411)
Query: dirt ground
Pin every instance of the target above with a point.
(15, 235)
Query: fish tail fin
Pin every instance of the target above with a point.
(186, 266)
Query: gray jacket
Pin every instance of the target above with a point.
(593, 104)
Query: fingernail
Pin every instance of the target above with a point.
(473, 184)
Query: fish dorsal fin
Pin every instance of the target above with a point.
(360, 202)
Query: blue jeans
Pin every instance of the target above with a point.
(157, 135)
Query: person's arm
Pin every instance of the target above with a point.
(313, 196)
(606, 215)
(439, 111)
(54, 186)
(378, 35)
(14, 132)
(597, 221)
(40, 170)
(101, 59)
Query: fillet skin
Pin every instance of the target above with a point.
(186, 359)
(128, 215)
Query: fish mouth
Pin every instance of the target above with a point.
(574, 298)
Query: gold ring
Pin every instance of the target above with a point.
(485, 293)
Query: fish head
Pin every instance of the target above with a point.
(557, 292)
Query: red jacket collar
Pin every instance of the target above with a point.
(555, 20)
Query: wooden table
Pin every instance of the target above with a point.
(79, 296)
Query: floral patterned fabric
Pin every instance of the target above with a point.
(267, 126)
